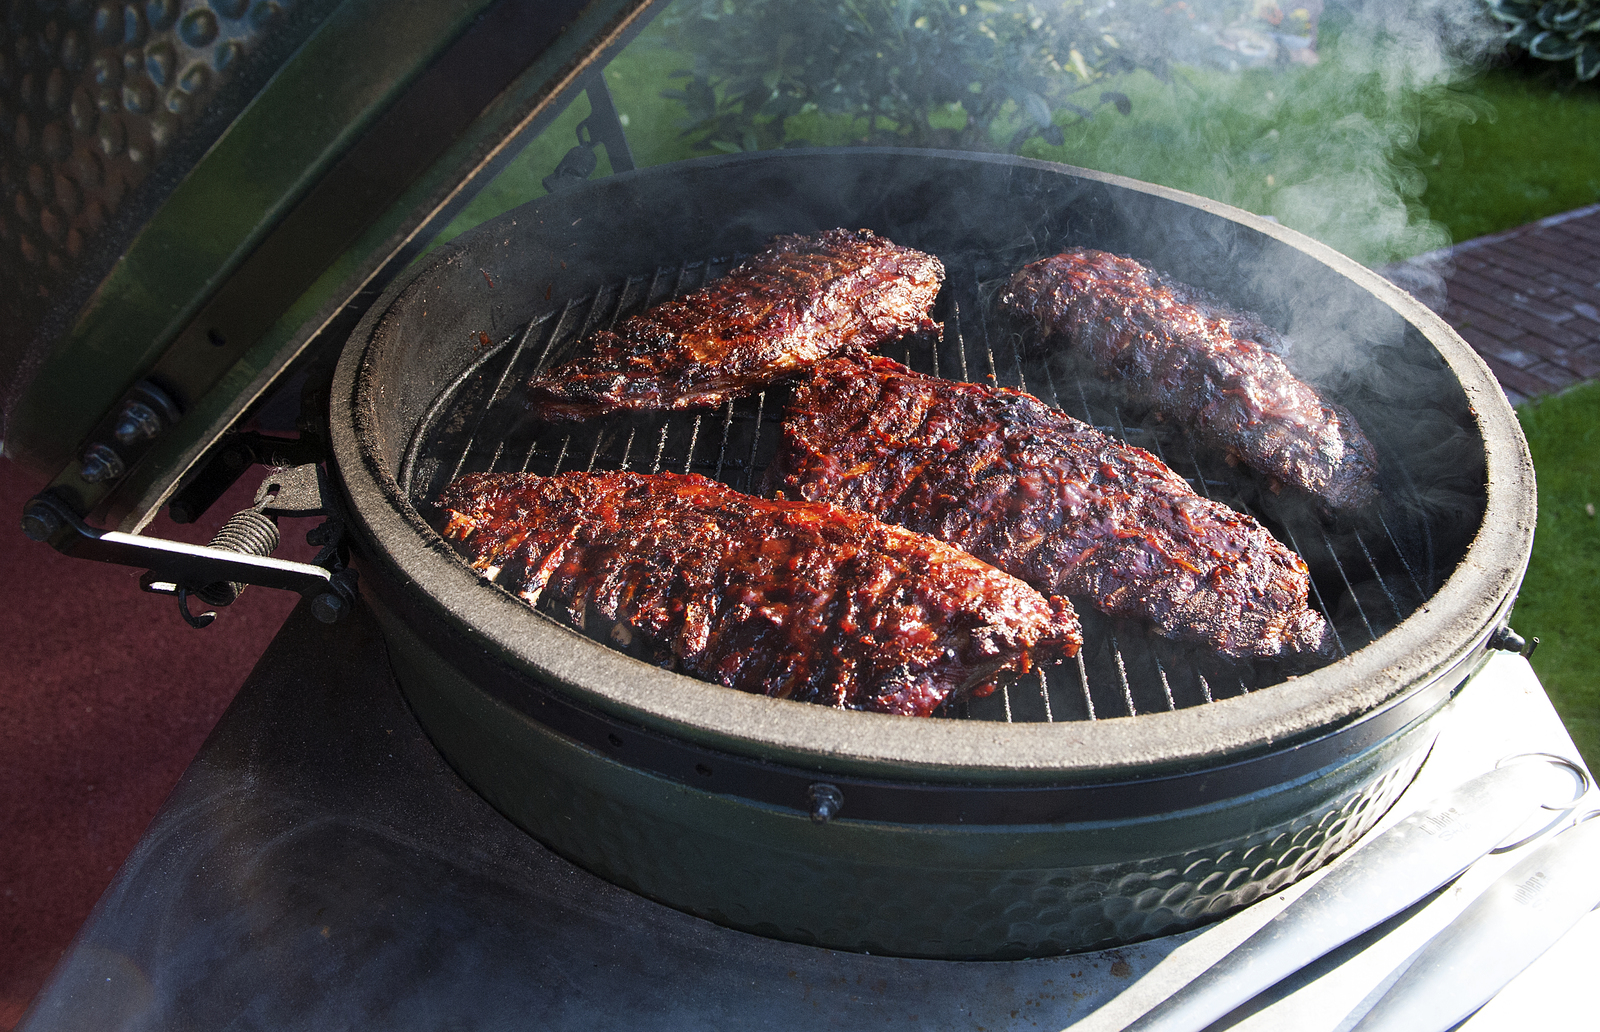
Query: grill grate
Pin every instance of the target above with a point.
(1365, 579)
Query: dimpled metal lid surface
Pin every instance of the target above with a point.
(103, 108)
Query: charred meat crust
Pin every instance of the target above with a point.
(793, 600)
(1216, 371)
(1045, 497)
(803, 298)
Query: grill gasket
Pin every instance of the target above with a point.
(1363, 581)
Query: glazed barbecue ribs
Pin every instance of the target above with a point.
(1043, 496)
(793, 600)
(1213, 370)
(802, 299)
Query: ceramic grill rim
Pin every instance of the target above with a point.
(1433, 648)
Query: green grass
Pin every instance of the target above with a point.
(1533, 150)
(1337, 151)
(1560, 599)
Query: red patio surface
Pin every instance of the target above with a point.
(105, 697)
(1528, 300)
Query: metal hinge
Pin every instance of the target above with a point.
(238, 556)
(603, 128)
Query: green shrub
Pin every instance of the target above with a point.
(1554, 30)
(981, 74)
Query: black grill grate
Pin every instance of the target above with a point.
(1365, 579)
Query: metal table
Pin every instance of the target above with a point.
(320, 867)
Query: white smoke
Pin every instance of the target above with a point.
(1359, 191)
(1329, 149)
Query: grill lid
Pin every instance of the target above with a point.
(269, 162)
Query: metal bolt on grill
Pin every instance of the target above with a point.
(1363, 579)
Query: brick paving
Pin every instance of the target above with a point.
(1528, 300)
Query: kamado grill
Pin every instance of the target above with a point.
(1129, 826)
(1143, 789)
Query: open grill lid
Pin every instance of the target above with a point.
(205, 197)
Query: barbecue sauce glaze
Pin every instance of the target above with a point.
(796, 600)
(1212, 369)
(1054, 501)
(803, 298)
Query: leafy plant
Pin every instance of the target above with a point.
(1554, 30)
(925, 73)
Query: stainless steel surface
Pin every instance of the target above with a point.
(1504, 930)
(1503, 710)
(1373, 883)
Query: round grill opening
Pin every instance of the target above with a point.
(1369, 572)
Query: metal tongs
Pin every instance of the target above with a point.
(1401, 866)
(1500, 933)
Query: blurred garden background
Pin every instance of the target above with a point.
(1384, 129)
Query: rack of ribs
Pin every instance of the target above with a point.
(1043, 496)
(803, 298)
(796, 600)
(1215, 371)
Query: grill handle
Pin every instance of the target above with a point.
(177, 568)
(1375, 882)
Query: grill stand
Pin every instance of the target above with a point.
(320, 867)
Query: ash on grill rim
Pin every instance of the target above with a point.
(379, 373)
(1364, 582)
